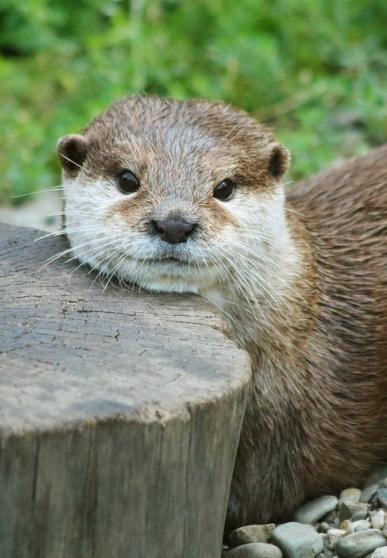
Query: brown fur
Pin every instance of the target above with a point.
(316, 414)
(318, 423)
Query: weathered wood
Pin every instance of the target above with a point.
(119, 414)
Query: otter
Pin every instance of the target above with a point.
(189, 197)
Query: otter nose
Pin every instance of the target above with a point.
(173, 230)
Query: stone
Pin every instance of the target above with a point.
(377, 518)
(315, 509)
(384, 483)
(360, 513)
(298, 540)
(255, 550)
(380, 552)
(333, 537)
(350, 495)
(251, 534)
(353, 511)
(382, 497)
(358, 545)
(347, 526)
(330, 517)
(324, 526)
(361, 525)
(368, 492)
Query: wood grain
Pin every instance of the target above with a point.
(120, 413)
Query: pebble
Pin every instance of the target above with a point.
(255, 550)
(351, 526)
(353, 511)
(347, 526)
(382, 497)
(350, 495)
(298, 540)
(377, 519)
(315, 509)
(251, 534)
(333, 537)
(380, 552)
(358, 545)
(361, 525)
(368, 493)
(324, 526)
(330, 517)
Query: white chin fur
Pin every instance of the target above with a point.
(167, 277)
(169, 286)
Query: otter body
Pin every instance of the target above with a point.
(187, 197)
(316, 420)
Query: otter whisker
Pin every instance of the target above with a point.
(36, 192)
(69, 250)
(106, 262)
(69, 160)
(96, 252)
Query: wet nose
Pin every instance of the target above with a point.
(173, 229)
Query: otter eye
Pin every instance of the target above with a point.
(224, 190)
(128, 182)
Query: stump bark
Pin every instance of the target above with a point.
(120, 413)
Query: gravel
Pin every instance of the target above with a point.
(256, 550)
(251, 534)
(350, 496)
(368, 492)
(333, 536)
(380, 552)
(298, 540)
(352, 525)
(359, 545)
(377, 519)
(352, 511)
(316, 509)
(361, 525)
(382, 497)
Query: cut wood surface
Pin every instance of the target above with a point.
(120, 413)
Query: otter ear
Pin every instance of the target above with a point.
(72, 151)
(279, 160)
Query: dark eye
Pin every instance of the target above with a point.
(128, 182)
(224, 190)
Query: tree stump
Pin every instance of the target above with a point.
(120, 413)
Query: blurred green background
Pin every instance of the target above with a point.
(316, 70)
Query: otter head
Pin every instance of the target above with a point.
(171, 195)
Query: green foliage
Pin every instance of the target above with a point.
(314, 69)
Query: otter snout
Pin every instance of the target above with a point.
(173, 230)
